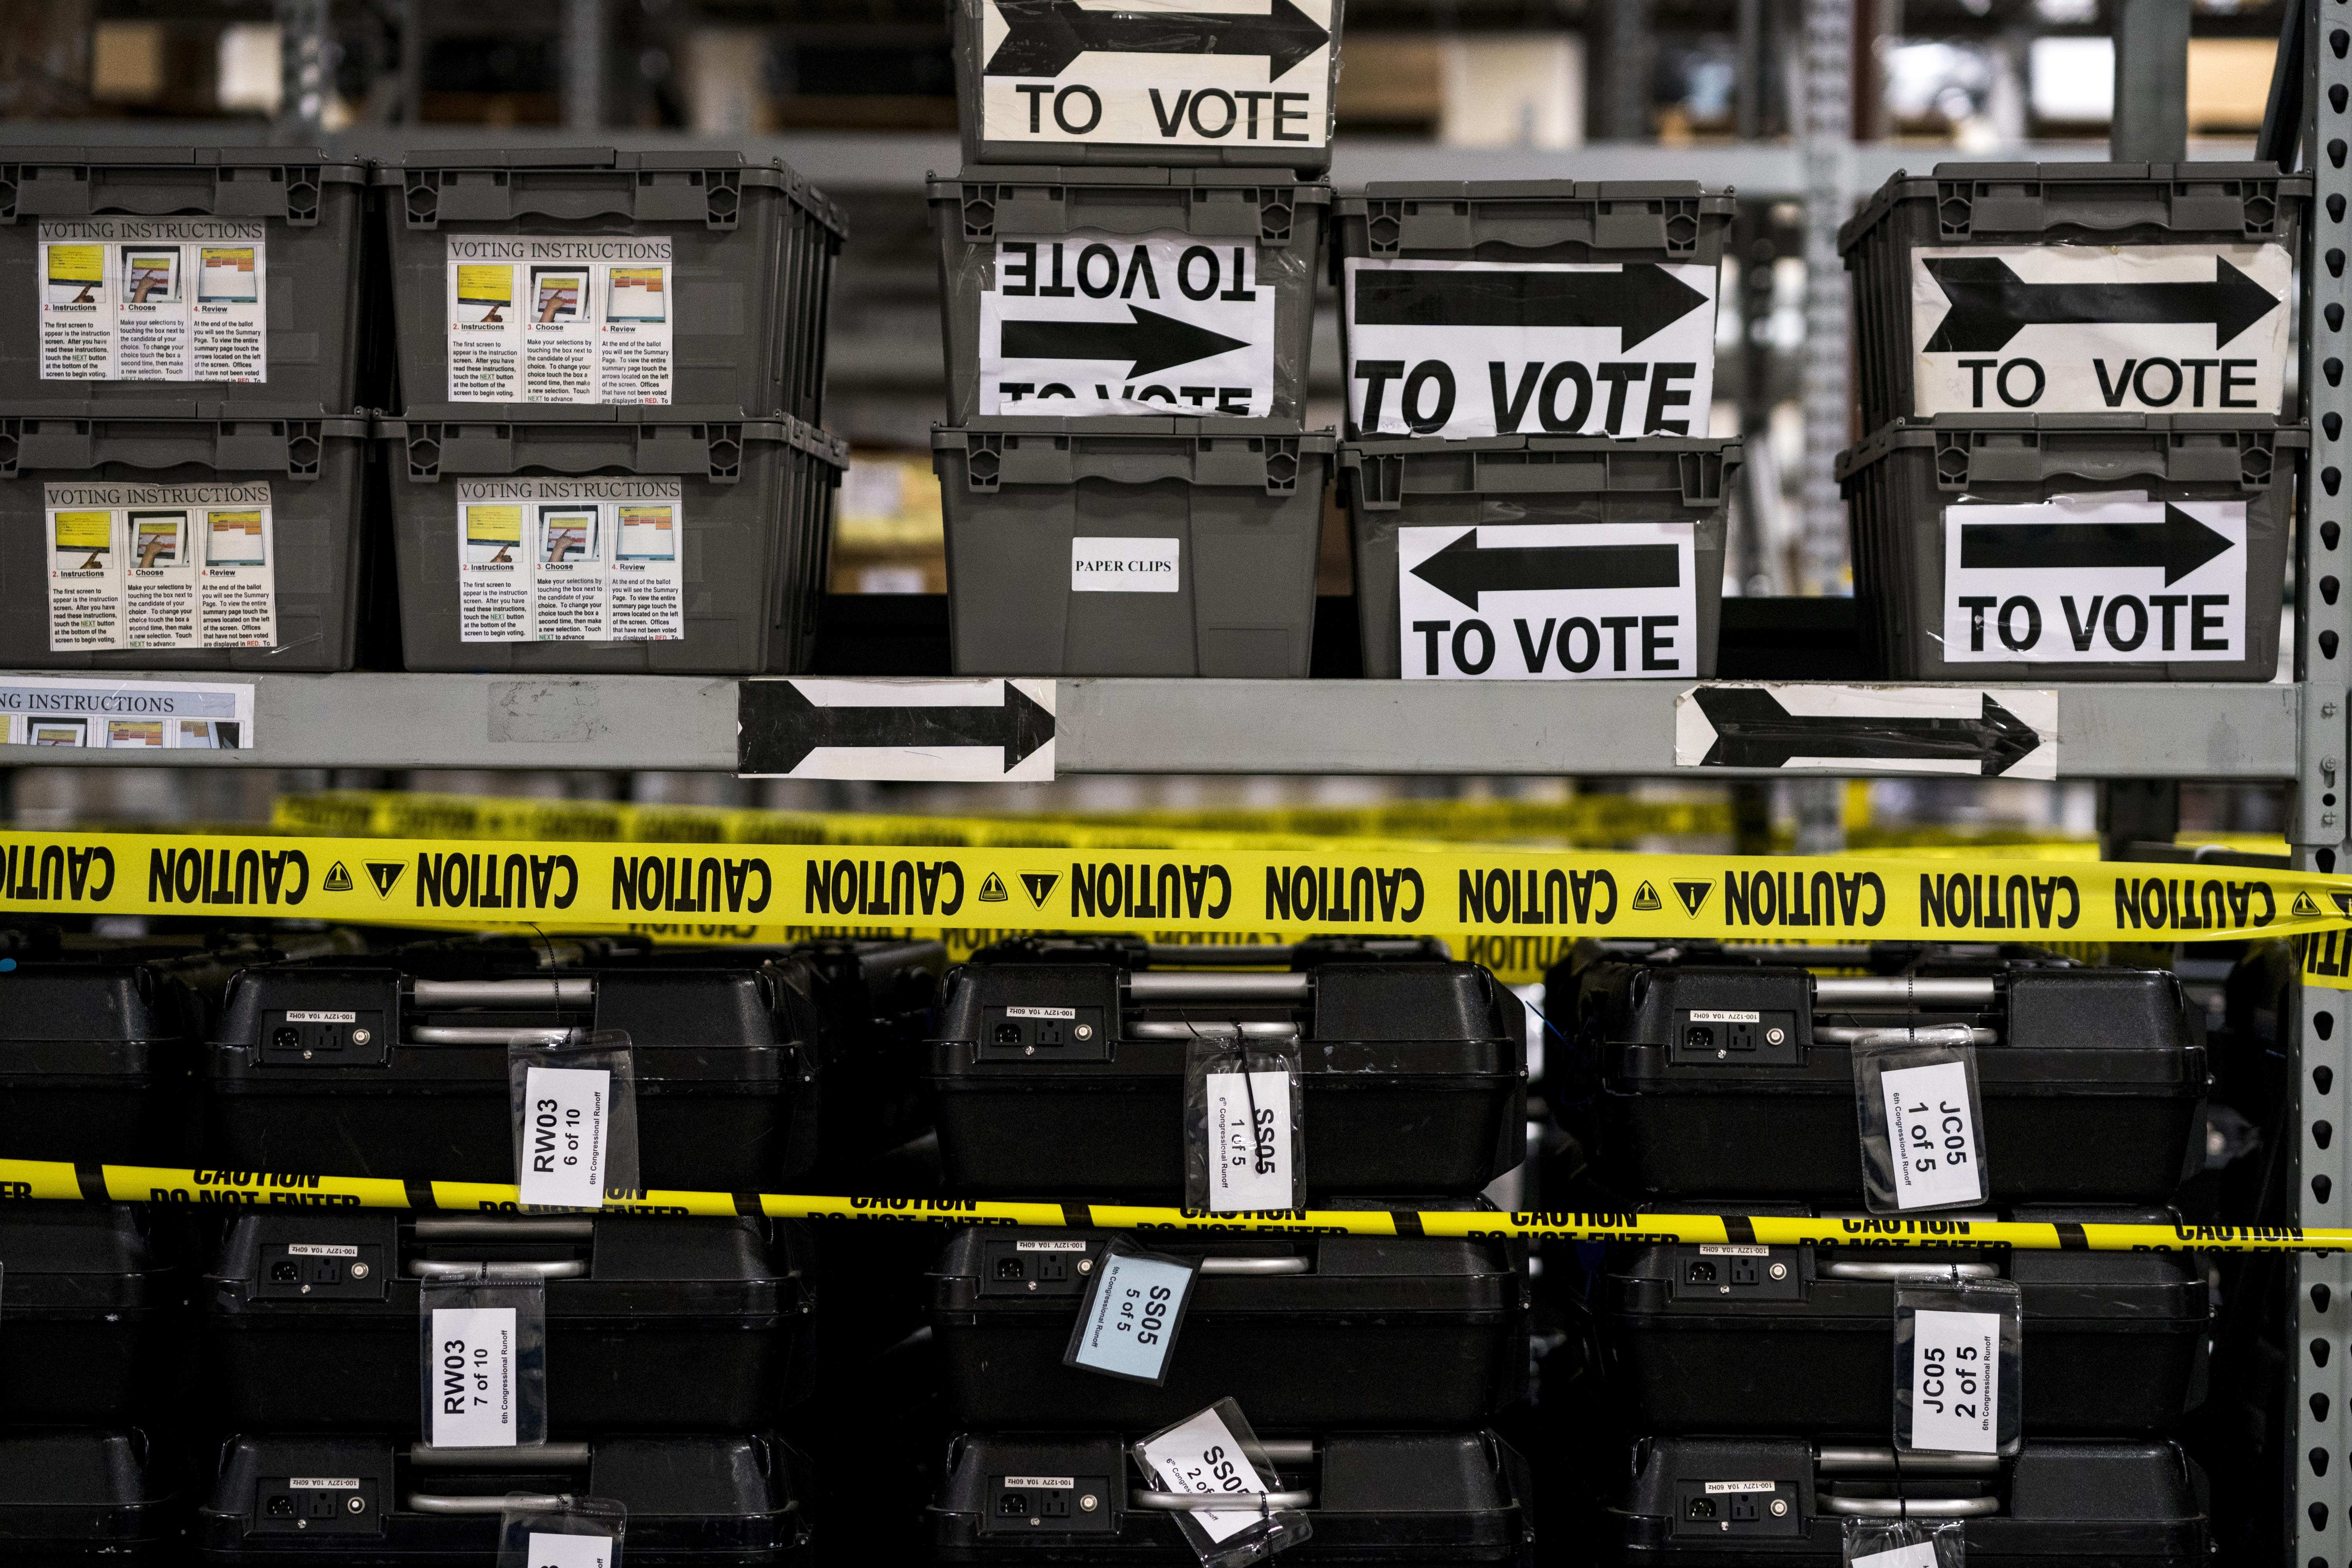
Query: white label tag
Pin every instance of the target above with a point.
(1718, 1249)
(1713, 1487)
(1061, 1013)
(2096, 579)
(139, 298)
(161, 566)
(1956, 1383)
(1040, 1483)
(472, 1378)
(1920, 1556)
(1103, 323)
(1049, 1247)
(322, 1483)
(315, 1016)
(1131, 1317)
(1249, 1142)
(1110, 565)
(1565, 601)
(1452, 350)
(567, 1116)
(1931, 1136)
(2095, 329)
(548, 320)
(310, 1250)
(588, 560)
(1200, 1456)
(1724, 1016)
(552, 1550)
(1172, 73)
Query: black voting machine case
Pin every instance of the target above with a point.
(734, 1501)
(1717, 1339)
(1325, 1332)
(730, 1048)
(1412, 1069)
(1435, 1498)
(2093, 1079)
(714, 1312)
(2136, 1504)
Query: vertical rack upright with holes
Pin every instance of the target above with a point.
(2320, 1349)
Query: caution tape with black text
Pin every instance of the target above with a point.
(36, 1180)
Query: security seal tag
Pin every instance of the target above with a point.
(1134, 1305)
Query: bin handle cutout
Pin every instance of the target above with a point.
(1871, 1459)
(431, 1228)
(1213, 987)
(1914, 989)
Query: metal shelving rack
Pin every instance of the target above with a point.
(2296, 733)
(2320, 1516)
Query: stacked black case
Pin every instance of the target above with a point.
(1720, 1079)
(672, 1346)
(1372, 1366)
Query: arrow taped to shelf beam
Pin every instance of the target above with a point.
(1642, 299)
(915, 730)
(1463, 570)
(1962, 731)
(1992, 304)
(1044, 38)
(2178, 545)
(1150, 341)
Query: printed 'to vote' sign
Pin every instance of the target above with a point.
(1166, 73)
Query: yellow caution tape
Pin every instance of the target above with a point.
(41, 1179)
(1591, 821)
(1484, 897)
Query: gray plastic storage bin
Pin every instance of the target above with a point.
(752, 528)
(1279, 219)
(208, 469)
(1232, 510)
(1402, 483)
(1077, 86)
(1628, 223)
(2089, 206)
(301, 205)
(1899, 483)
(751, 251)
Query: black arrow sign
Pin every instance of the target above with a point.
(1046, 36)
(1643, 298)
(2180, 544)
(1151, 341)
(1752, 730)
(1462, 570)
(777, 726)
(1992, 304)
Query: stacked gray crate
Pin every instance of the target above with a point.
(289, 420)
(1972, 254)
(1616, 455)
(751, 252)
(1201, 503)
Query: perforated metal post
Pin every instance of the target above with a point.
(305, 54)
(2320, 1349)
(1828, 135)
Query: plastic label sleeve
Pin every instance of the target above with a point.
(160, 566)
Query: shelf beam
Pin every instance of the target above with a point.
(1623, 728)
